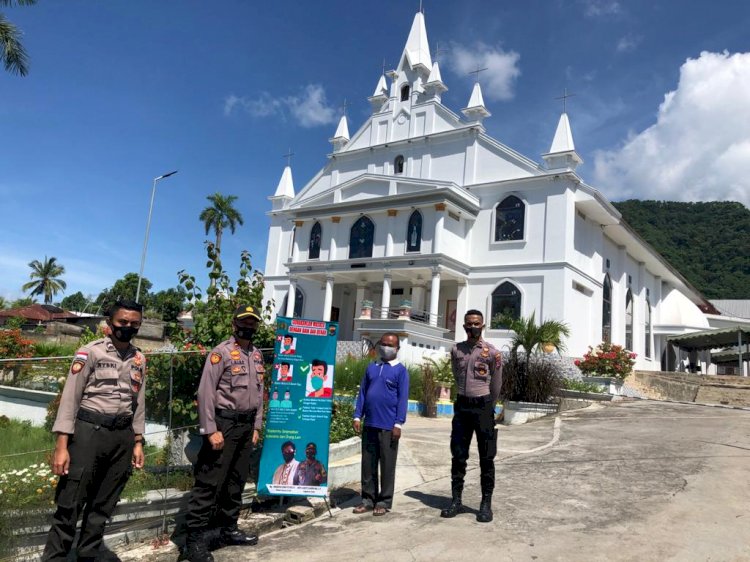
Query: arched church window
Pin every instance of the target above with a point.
(506, 305)
(361, 238)
(607, 309)
(629, 320)
(398, 165)
(315, 237)
(405, 92)
(299, 304)
(509, 219)
(414, 232)
(647, 347)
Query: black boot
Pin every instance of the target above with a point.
(235, 537)
(485, 509)
(456, 506)
(197, 549)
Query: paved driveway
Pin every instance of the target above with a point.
(623, 481)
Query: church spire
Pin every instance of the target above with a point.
(476, 111)
(380, 96)
(341, 137)
(417, 49)
(562, 153)
(286, 184)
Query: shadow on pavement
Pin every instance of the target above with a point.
(434, 501)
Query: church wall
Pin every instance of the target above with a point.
(453, 241)
(447, 162)
(586, 243)
(495, 166)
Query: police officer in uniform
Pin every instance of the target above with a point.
(230, 408)
(99, 426)
(477, 367)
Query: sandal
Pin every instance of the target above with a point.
(361, 508)
(379, 511)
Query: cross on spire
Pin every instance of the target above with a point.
(477, 71)
(345, 105)
(565, 97)
(420, 7)
(288, 157)
(438, 50)
(383, 66)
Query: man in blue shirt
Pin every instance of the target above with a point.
(382, 402)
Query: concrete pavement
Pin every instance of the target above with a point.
(622, 481)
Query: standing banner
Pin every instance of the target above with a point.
(294, 460)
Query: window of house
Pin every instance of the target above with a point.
(607, 309)
(361, 238)
(405, 92)
(629, 320)
(398, 165)
(506, 304)
(647, 347)
(315, 236)
(509, 219)
(299, 302)
(414, 232)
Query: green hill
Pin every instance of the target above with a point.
(709, 243)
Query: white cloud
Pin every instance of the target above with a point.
(309, 108)
(598, 8)
(502, 68)
(628, 43)
(699, 147)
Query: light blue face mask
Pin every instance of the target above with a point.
(316, 382)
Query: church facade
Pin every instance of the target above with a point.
(421, 215)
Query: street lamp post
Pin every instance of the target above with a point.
(148, 228)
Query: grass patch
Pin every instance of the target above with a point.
(580, 386)
(22, 437)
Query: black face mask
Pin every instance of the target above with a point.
(124, 333)
(473, 332)
(288, 457)
(310, 454)
(244, 333)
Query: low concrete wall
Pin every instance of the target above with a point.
(706, 389)
(671, 386)
(23, 404)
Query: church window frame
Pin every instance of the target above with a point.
(316, 239)
(414, 232)
(405, 91)
(648, 328)
(607, 309)
(506, 297)
(398, 164)
(366, 238)
(629, 320)
(502, 213)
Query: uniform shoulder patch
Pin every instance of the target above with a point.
(77, 366)
(215, 358)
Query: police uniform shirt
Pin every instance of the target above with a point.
(477, 368)
(232, 380)
(102, 381)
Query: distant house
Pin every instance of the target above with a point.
(38, 314)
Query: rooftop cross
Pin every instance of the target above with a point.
(438, 50)
(477, 71)
(344, 106)
(565, 97)
(384, 67)
(288, 157)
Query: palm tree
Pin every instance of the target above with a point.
(47, 275)
(532, 337)
(220, 215)
(12, 53)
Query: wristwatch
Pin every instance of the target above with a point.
(141, 440)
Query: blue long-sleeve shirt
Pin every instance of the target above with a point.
(383, 395)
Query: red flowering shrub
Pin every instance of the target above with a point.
(14, 346)
(607, 360)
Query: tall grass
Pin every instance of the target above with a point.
(22, 437)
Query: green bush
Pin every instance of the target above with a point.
(530, 379)
(580, 386)
(341, 421)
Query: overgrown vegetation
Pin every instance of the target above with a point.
(580, 386)
(706, 242)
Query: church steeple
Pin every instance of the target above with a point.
(434, 85)
(341, 137)
(286, 184)
(417, 49)
(562, 153)
(380, 96)
(476, 111)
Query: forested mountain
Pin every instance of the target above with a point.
(709, 243)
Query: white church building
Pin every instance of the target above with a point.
(421, 215)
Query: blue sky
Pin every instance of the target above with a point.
(121, 92)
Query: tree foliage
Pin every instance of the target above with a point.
(76, 302)
(45, 277)
(706, 242)
(124, 288)
(12, 53)
(221, 215)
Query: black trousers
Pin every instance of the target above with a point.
(100, 465)
(473, 416)
(379, 450)
(220, 478)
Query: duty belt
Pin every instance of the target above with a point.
(473, 400)
(110, 421)
(242, 416)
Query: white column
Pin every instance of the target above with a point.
(439, 224)
(385, 302)
(328, 300)
(361, 286)
(334, 236)
(291, 296)
(462, 305)
(434, 296)
(417, 295)
(295, 247)
(389, 235)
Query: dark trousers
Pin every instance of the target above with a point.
(220, 478)
(379, 450)
(100, 465)
(470, 416)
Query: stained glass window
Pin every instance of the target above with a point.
(607, 309)
(509, 219)
(361, 238)
(414, 232)
(629, 321)
(315, 236)
(506, 303)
